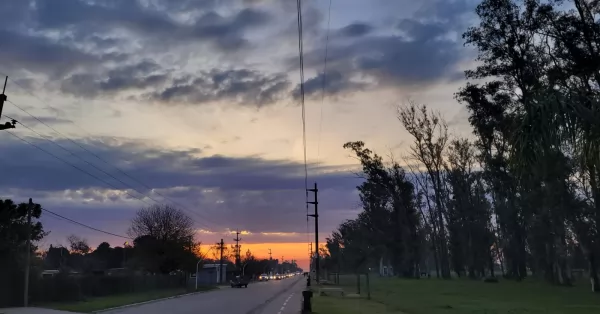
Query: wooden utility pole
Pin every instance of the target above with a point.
(27, 254)
(315, 190)
(221, 262)
(3, 98)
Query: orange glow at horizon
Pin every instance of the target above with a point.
(289, 251)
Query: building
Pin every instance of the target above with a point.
(210, 274)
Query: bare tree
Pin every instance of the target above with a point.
(164, 223)
(78, 245)
(430, 133)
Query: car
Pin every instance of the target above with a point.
(263, 277)
(278, 277)
(239, 282)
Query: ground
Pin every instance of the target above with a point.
(433, 296)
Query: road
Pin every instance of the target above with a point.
(258, 298)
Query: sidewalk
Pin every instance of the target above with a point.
(31, 310)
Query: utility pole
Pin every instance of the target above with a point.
(7, 125)
(221, 262)
(237, 248)
(28, 253)
(270, 262)
(282, 270)
(316, 216)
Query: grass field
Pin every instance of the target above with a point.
(96, 304)
(433, 296)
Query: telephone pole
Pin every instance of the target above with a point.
(28, 253)
(7, 125)
(237, 248)
(316, 216)
(221, 261)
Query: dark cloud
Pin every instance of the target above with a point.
(242, 86)
(217, 191)
(164, 169)
(355, 30)
(336, 83)
(40, 54)
(427, 50)
(135, 76)
(151, 22)
(78, 39)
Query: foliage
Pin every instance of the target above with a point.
(523, 197)
(13, 239)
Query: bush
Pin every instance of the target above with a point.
(490, 280)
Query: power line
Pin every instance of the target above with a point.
(84, 225)
(80, 158)
(96, 155)
(72, 165)
(324, 81)
(301, 60)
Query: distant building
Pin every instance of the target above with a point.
(385, 268)
(210, 274)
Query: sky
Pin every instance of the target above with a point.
(197, 102)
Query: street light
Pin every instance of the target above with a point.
(244, 268)
(197, 264)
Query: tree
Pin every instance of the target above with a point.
(536, 121)
(13, 239)
(78, 245)
(391, 217)
(430, 134)
(164, 240)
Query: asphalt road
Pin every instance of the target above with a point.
(256, 299)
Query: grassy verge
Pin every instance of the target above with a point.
(432, 296)
(101, 303)
(337, 305)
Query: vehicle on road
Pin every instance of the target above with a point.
(278, 277)
(263, 277)
(239, 282)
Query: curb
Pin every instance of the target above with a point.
(151, 301)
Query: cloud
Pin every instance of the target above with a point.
(422, 50)
(40, 54)
(148, 21)
(335, 82)
(241, 86)
(219, 192)
(141, 75)
(355, 30)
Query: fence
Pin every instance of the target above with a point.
(74, 288)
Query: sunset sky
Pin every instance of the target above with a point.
(197, 99)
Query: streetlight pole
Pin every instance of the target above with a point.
(197, 264)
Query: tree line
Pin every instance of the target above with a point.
(520, 197)
(163, 243)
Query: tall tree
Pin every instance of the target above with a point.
(430, 134)
(390, 211)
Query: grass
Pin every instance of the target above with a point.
(433, 296)
(102, 303)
